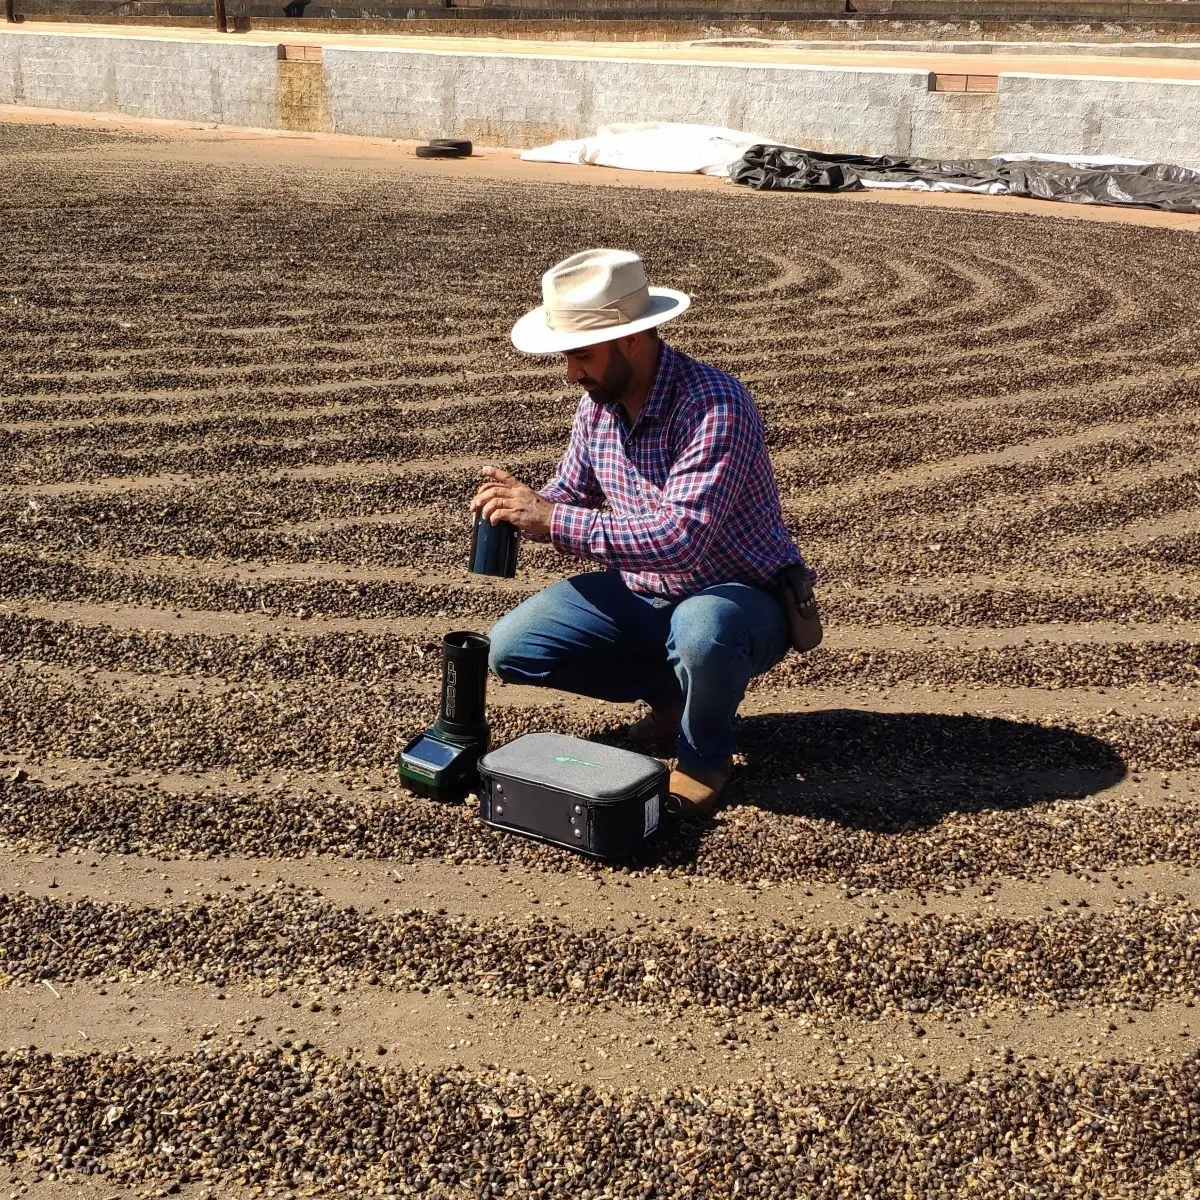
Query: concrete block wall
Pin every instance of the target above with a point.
(526, 100)
(515, 101)
(230, 84)
(954, 125)
(863, 110)
(1131, 118)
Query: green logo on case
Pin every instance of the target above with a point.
(579, 761)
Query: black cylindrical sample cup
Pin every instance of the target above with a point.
(493, 547)
(464, 681)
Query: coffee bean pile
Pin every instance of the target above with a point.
(347, 726)
(38, 139)
(293, 1118)
(1115, 598)
(300, 447)
(372, 658)
(1179, 553)
(1139, 954)
(227, 726)
(234, 390)
(873, 445)
(871, 834)
(54, 578)
(354, 657)
(1020, 538)
(1089, 463)
(1049, 665)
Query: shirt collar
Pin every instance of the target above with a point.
(662, 390)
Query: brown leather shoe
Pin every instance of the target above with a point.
(695, 795)
(657, 730)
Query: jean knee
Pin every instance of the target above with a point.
(504, 649)
(704, 638)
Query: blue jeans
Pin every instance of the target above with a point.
(591, 635)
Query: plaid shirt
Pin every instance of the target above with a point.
(692, 499)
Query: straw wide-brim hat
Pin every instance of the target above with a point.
(595, 296)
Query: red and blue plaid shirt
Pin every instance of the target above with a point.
(691, 497)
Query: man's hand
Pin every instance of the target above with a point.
(503, 498)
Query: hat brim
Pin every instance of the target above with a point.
(531, 334)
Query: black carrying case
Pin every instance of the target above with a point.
(595, 799)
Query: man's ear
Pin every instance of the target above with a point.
(636, 344)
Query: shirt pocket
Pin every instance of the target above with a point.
(653, 465)
(628, 493)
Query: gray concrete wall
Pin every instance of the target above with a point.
(1133, 118)
(953, 125)
(515, 100)
(143, 77)
(518, 101)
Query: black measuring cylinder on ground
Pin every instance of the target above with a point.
(464, 683)
(493, 547)
(442, 763)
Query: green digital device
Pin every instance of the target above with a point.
(436, 765)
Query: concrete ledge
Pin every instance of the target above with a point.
(881, 29)
(522, 99)
(176, 79)
(490, 99)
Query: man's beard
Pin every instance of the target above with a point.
(614, 383)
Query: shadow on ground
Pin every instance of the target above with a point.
(889, 773)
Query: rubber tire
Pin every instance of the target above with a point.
(436, 152)
(460, 144)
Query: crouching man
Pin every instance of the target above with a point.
(666, 482)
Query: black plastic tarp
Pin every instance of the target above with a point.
(1154, 185)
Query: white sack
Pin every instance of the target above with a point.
(654, 146)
